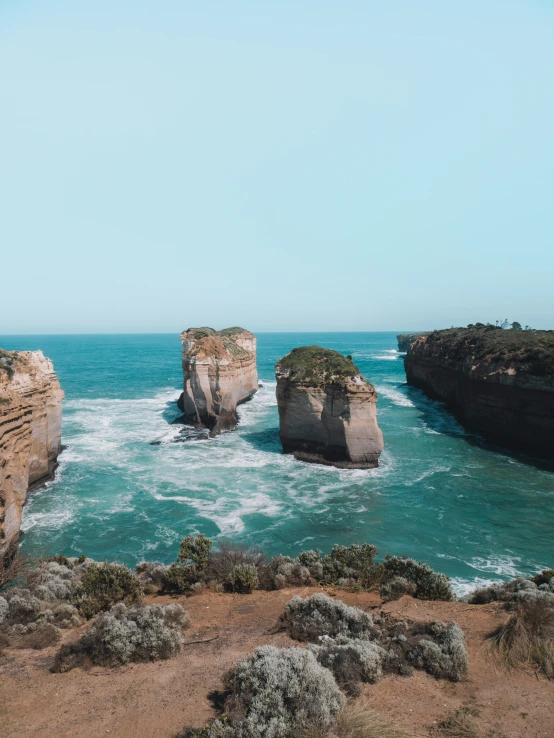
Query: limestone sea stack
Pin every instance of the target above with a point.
(219, 371)
(495, 381)
(327, 410)
(30, 434)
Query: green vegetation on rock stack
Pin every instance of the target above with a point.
(316, 366)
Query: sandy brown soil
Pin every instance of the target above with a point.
(157, 700)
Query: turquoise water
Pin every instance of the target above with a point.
(440, 495)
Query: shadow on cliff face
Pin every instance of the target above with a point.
(267, 440)
(436, 416)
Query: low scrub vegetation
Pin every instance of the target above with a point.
(103, 585)
(278, 692)
(125, 634)
(527, 637)
(358, 648)
(539, 587)
(351, 567)
(418, 579)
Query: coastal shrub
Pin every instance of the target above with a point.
(151, 574)
(395, 588)
(36, 636)
(440, 650)
(544, 577)
(510, 593)
(52, 581)
(137, 633)
(228, 556)
(430, 585)
(528, 636)
(24, 606)
(103, 585)
(195, 551)
(243, 578)
(349, 562)
(357, 720)
(309, 619)
(4, 608)
(276, 692)
(191, 565)
(282, 572)
(351, 661)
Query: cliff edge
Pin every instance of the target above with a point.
(219, 372)
(405, 340)
(327, 410)
(30, 433)
(497, 382)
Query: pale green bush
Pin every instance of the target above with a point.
(440, 650)
(129, 634)
(276, 691)
(395, 588)
(351, 660)
(243, 578)
(429, 584)
(319, 615)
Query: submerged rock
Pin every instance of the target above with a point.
(30, 433)
(327, 410)
(219, 370)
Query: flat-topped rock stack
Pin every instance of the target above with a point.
(219, 371)
(30, 434)
(497, 382)
(327, 410)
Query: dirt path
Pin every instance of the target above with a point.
(157, 700)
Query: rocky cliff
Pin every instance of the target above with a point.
(30, 433)
(327, 410)
(219, 370)
(405, 340)
(497, 382)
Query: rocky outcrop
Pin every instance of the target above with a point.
(405, 340)
(497, 382)
(30, 433)
(327, 410)
(219, 369)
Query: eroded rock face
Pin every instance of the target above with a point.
(405, 340)
(30, 433)
(497, 382)
(219, 370)
(327, 410)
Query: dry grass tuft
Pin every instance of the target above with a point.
(527, 637)
(14, 568)
(460, 724)
(357, 720)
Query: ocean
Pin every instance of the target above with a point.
(440, 495)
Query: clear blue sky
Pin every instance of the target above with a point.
(283, 165)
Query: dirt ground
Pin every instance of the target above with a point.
(156, 700)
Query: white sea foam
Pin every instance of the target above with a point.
(394, 395)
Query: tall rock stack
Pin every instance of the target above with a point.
(30, 434)
(219, 371)
(327, 410)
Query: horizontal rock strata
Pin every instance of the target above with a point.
(327, 410)
(219, 371)
(497, 382)
(30, 433)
